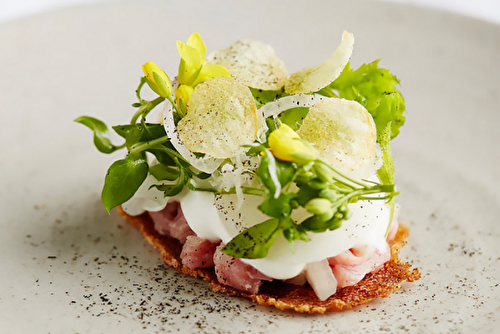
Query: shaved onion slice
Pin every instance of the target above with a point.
(321, 278)
(277, 107)
(204, 164)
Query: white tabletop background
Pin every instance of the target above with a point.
(488, 10)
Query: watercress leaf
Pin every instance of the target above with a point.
(314, 224)
(277, 207)
(162, 157)
(101, 134)
(375, 89)
(272, 125)
(149, 131)
(202, 175)
(265, 96)
(255, 149)
(294, 117)
(386, 172)
(305, 194)
(171, 190)
(133, 136)
(162, 172)
(254, 243)
(122, 180)
(267, 171)
(286, 171)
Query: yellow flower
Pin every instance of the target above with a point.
(193, 68)
(183, 92)
(285, 144)
(157, 79)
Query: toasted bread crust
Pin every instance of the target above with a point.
(288, 296)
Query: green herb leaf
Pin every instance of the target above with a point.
(162, 172)
(294, 117)
(148, 131)
(171, 190)
(265, 96)
(275, 173)
(386, 172)
(254, 243)
(277, 207)
(101, 134)
(122, 180)
(375, 89)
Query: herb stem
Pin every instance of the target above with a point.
(146, 108)
(138, 90)
(342, 175)
(144, 146)
(232, 191)
(174, 105)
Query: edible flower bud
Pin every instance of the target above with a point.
(183, 92)
(193, 68)
(157, 80)
(285, 144)
(319, 206)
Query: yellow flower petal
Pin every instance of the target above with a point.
(190, 65)
(157, 79)
(183, 92)
(285, 144)
(212, 71)
(196, 42)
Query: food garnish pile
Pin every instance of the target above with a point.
(275, 187)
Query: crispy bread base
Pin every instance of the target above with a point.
(288, 296)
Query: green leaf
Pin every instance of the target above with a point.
(254, 243)
(375, 89)
(277, 207)
(294, 117)
(162, 172)
(275, 174)
(148, 131)
(122, 180)
(163, 157)
(133, 136)
(305, 194)
(386, 172)
(171, 190)
(268, 173)
(101, 134)
(265, 96)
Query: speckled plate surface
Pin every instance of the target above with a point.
(68, 267)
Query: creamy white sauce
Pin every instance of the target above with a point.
(146, 198)
(216, 218)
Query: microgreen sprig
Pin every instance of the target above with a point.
(310, 183)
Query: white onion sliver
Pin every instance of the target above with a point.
(204, 164)
(288, 102)
(321, 278)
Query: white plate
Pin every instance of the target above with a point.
(68, 267)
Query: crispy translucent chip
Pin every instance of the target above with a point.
(309, 80)
(344, 133)
(221, 115)
(254, 63)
